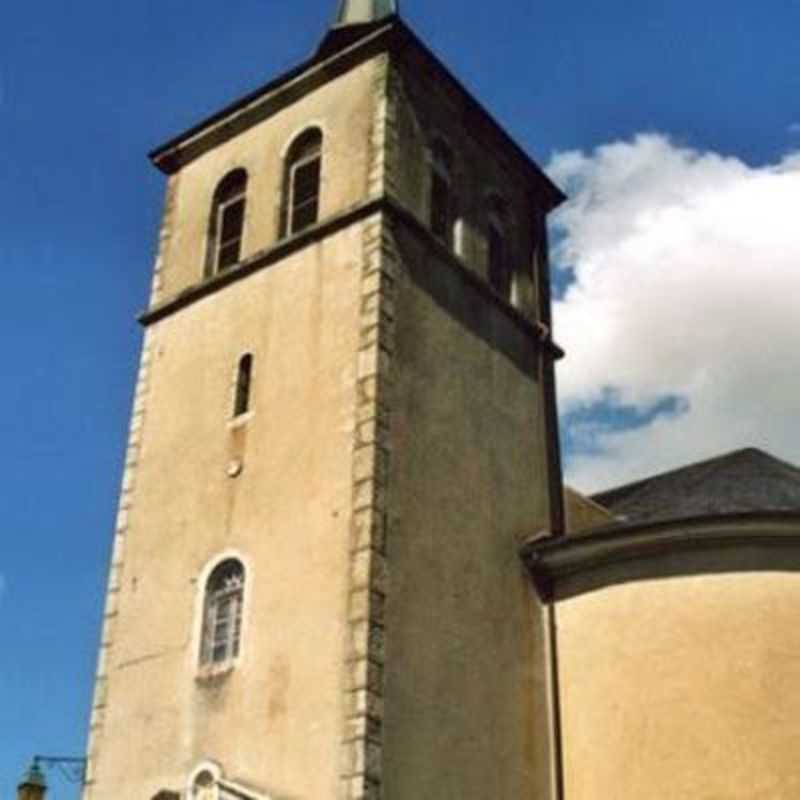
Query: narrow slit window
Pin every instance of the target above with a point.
(222, 614)
(302, 182)
(244, 381)
(227, 223)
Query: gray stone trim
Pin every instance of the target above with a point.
(384, 135)
(361, 765)
(121, 530)
(365, 648)
(108, 627)
(164, 238)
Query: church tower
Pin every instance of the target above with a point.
(343, 429)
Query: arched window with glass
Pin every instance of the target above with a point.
(226, 226)
(222, 614)
(302, 180)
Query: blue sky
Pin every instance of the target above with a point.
(86, 89)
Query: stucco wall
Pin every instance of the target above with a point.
(683, 688)
(341, 108)
(287, 516)
(465, 695)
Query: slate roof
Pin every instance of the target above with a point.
(742, 481)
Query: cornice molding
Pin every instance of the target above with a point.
(394, 37)
(556, 561)
(329, 227)
(265, 101)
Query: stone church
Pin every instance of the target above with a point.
(343, 566)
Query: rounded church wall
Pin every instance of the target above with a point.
(682, 687)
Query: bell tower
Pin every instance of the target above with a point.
(343, 428)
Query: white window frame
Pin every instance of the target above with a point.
(210, 623)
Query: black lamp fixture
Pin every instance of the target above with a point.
(33, 785)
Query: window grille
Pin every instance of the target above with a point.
(222, 617)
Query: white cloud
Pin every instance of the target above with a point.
(794, 127)
(687, 285)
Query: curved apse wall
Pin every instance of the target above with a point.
(683, 687)
(679, 657)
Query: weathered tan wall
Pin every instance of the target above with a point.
(341, 108)
(683, 688)
(427, 109)
(466, 711)
(275, 720)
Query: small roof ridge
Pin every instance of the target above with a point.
(712, 462)
(744, 479)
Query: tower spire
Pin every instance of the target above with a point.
(354, 19)
(359, 12)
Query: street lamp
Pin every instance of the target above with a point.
(33, 785)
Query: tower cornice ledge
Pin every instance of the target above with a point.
(387, 35)
(566, 566)
(329, 227)
(266, 101)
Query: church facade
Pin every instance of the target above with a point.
(342, 565)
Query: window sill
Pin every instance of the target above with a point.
(241, 420)
(212, 673)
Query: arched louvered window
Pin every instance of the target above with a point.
(442, 199)
(244, 380)
(302, 179)
(222, 613)
(500, 272)
(227, 222)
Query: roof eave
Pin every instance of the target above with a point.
(552, 195)
(552, 559)
(167, 158)
(389, 32)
